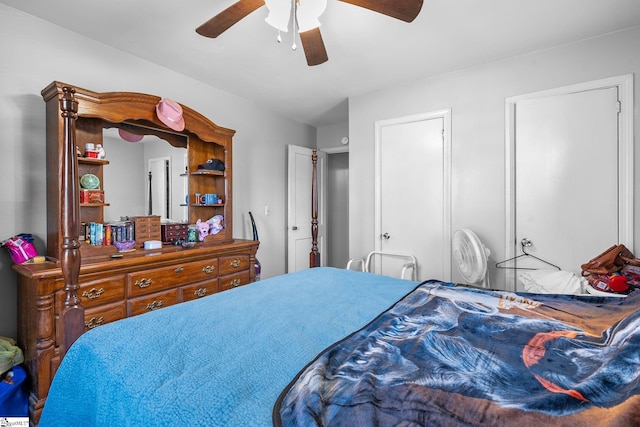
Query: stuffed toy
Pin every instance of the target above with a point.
(216, 224)
(203, 230)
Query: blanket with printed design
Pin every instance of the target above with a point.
(452, 356)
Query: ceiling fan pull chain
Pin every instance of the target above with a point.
(294, 5)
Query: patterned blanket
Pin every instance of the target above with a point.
(454, 356)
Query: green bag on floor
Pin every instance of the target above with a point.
(10, 354)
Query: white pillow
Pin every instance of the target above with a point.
(553, 282)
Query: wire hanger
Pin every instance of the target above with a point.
(524, 243)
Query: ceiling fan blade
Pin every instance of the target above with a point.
(225, 19)
(313, 46)
(405, 10)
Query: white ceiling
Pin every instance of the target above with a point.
(367, 51)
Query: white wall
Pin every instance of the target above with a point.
(337, 181)
(33, 53)
(477, 99)
(331, 136)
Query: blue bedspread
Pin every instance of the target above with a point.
(218, 361)
(451, 356)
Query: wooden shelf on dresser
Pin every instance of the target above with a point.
(112, 289)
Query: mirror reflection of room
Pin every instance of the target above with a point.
(144, 177)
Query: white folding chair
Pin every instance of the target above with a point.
(364, 264)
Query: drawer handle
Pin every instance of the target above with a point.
(155, 305)
(179, 270)
(236, 282)
(208, 269)
(93, 293)
(200, 292)
(235, 263)
(94, 322)
(143, 283)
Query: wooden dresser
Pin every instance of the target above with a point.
(83, 285)
(112, 289)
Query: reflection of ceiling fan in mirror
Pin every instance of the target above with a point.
(303, 16)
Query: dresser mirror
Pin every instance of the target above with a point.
(145, 177)
(79, 118)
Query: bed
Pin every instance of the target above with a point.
(327, 346)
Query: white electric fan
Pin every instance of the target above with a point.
(471, 256)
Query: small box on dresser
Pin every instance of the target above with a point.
(147, 228)
(175, 231)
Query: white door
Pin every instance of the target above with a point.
(412, 194)
(299, 240)
(567, 177)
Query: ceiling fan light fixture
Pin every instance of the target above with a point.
(307, 13)
(279, 14)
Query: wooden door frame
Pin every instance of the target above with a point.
(624, 84)
(445, 115)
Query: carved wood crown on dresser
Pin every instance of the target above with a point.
(81, 286)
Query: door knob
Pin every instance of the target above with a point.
(386, 236)
(294, 227)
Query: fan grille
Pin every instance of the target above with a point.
(470, 256)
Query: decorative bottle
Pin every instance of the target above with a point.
(101, 153)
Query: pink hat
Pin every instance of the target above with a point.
(170, 113)
(129, 137)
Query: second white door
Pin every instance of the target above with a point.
(572, 185)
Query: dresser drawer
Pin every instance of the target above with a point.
(153, 302)
(149, 235)
(147, 230)
(182, 226)
(102, 291)
(234, 264)
(94, 293)
(150, 220)
(199, 290)
(102, 315)
(157, 279)
(234, 280)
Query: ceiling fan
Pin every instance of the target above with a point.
(305, 15)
